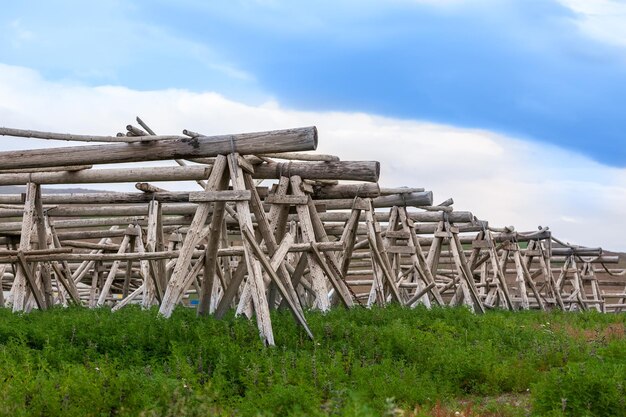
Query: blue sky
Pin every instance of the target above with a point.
(541, 70)
(514, 108)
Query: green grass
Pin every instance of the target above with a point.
(363, 362)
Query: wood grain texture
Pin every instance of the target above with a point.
(288, 140)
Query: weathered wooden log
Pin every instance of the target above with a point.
(368, 171)
(602, 259)
(336, 229)
(46, 169)
(299, 139)
(413, 199)
(148, 188)
(364, 190)
(61, 224)
(103, 198)
(36, 134)
(116, 210)
(90, 245)
(302, 156)
(32, 252)
(95, 176)
(422, 217)
(400, 190)
(576, 251)
(18, 289)
(522, 237)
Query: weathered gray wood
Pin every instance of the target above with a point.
(530, 282)
(104, 291)
(127, 300)
(287, 199)
(36, 134)
(32, 282)
(88, 245)
(308, 235)
(413, 199)
(67, 283)
(274, 249)
(333, 268)
(227, 195)
(418, 258)
(299, 139)
(499, 272)
(302, 156)
(148, 188)
(210, 257)
(86, 265)
(63, 273)
(379, 258)
(176, 285)
(3, 268)
(231, 291)
(155, 285)
(94, 176)
(341, 170)
(18, 290)
(348, 238)
(255, 275)
(74, 223)
(42, 243)
(144, 271)
(363, 190)
(46, 169)
(400, 190)
(271, 271)
(465, 273)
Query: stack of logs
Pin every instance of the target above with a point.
(320, 233)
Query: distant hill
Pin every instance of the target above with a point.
(18, 189)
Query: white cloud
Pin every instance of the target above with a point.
(19, 35)
(602, 19)
(502, 179)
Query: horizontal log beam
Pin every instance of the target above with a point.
(37, 134)
(302, 156)
(364, 190)
(134, 256)
(288, 140)
(350, 170)
(577, 251)
(416, 199)
(367, 171)
(99, 176)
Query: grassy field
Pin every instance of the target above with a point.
(376, 362)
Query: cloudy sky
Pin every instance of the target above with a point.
(515, 108)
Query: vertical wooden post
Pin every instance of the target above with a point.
(210, 257)
(64, 273)
(3, 268)
(308, 236)
(95, 280)
(18, 290)
(418, 258)
(175, 286)
(499, 271)
(106, 287)
(266, 232)
(519, 278)
(42, 243)
(255, 274)
(466, 275)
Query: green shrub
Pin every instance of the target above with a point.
(75, 361)
(593, 388)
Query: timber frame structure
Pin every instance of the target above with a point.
(319, 234)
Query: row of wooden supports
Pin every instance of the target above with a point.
(305, 242)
